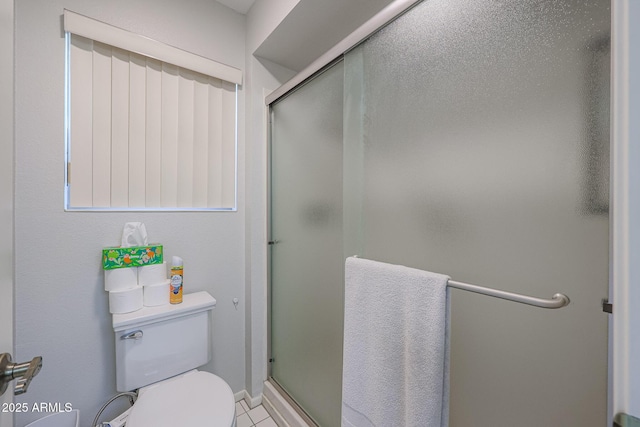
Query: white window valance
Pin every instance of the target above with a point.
(132, 42)
(143, 132)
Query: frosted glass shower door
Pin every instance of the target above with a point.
(484, 156)
(469, 138)
(306, 260)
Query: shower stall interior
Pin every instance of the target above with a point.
(469, 138)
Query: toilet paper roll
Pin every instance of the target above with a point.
(156, 294)
(125, 301)
(120, 279)
(153, 274)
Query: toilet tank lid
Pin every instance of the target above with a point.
(191, 303)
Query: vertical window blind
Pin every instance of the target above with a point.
(143, 133)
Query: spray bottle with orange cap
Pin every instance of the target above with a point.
(177, 273)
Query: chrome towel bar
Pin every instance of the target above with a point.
(557, 301)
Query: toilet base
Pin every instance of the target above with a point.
(121, 420)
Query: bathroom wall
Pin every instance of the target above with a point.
(262, 77)
(6, 190)
(633, 321)
(61, 309)
(626, 197)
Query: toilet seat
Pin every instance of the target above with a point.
(194, 399)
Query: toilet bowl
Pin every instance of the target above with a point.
(60, 419)
(157, 352)
(194, 399)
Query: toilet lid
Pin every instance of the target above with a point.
(192, 400)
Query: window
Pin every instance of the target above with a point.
(149, 126)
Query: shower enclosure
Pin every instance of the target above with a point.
(469, 138)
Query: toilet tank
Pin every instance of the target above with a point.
(156, 343)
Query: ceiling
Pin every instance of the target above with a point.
(241, 6)
(313, 27)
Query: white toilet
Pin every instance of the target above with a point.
(157, 351)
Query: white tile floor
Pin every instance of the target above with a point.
(258, 416)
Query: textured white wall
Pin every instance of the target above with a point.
(61, 309)
(634, 213)
(6, 191)
(262, 76)
(264, 17)
(263, 81)
(626, 220)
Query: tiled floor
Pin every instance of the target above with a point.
(257, 416)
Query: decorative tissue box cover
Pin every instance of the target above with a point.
(134, 256)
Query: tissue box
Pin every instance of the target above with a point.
(134, 256)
